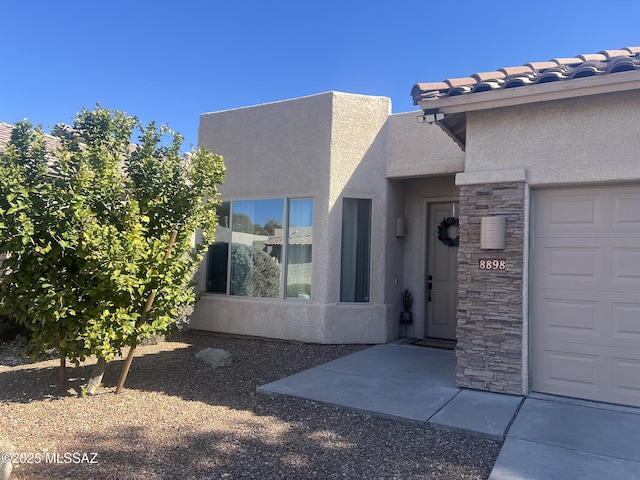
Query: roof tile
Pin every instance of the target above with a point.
(518, 81)
(589, 69)
(541, 66)
(568, 61)
(604, 62)
(587, 57)
(623, 64)
(486, 76)
(457, 82)
(615, 53)
(486, 86)
(516, 70)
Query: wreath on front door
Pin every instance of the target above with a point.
(443, 231)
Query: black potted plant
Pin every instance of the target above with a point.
(406, 316)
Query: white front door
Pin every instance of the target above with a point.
(442, 274)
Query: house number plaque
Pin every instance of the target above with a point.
(492, 264)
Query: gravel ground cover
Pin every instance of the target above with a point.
(180, 419)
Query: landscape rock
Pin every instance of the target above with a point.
(216, 357)
(5, 468)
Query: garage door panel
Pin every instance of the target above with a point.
(625, 376)
(569, 212)
(585, 293)
(625, 323)
(611, 266)
(625, 210)
(558, 265)
(600, 373)
(594, 318)
(560, 369)
(569, 263)
(566, 315)
(573, 210)
(625, 266)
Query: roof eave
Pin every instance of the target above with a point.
(579, 87)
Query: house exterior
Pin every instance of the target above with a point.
(510, 209)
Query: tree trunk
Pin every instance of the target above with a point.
(142, 319)
(96, 376)
(63, 370)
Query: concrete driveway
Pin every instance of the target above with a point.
(545, 437)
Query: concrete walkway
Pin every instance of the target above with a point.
(544, 437)
(561, 438)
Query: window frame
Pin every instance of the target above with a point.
(370, 260)
(285, 251)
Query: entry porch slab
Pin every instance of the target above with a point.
(403, 382)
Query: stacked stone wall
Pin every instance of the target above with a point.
(490, 319)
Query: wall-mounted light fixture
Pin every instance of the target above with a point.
(430, 116)
(493, 233)
(400, 227)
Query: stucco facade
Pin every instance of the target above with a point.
(326, 147)
(494, 154)
(330, 146)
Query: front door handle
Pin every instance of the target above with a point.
(429, 287)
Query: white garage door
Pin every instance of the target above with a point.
(585, 293)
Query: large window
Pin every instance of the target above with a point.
(356, 250)
(255, 238)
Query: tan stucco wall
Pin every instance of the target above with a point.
(326, 146)
(265, 146)
(582, 140)
(418, 149)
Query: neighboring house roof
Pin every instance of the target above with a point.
(5, 133)
(604, 62)
(50, 142)
(293, 240)
(446, 103)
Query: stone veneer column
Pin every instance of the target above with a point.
(490, 323)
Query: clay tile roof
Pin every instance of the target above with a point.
(615, 53)
(605, 62)
(589, 69)
(487, 86)
(434, 88)
(552, 74)
(459, 82)
(623, 64)
(516, 70)
(592, 56)
(541, 66)
(568, 61)
(487, 76)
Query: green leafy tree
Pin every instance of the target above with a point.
(269, 227)
(87, 228)
(242, 223)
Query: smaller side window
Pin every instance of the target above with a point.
(299, 248)
(355, 265)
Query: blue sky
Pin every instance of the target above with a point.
(171, 61)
